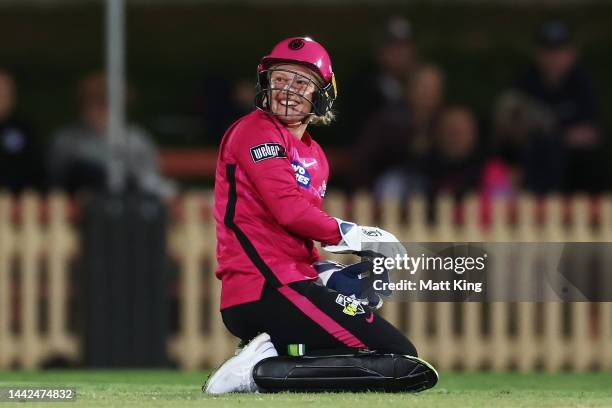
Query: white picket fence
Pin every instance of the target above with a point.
(39, 241)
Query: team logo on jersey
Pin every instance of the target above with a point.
(351, 306)
(302, 176)
(268, 151)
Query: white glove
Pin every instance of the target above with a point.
(366, 241)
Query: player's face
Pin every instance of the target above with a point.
(292, 89)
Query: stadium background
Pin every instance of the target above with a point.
(175, 48)
(172, 45)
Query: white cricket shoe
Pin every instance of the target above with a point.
(236, 374)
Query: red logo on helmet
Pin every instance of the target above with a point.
(296, 44)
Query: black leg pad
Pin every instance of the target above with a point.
(374, 372)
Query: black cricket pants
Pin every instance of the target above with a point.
(322, 319)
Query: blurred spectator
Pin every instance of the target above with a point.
(396, 61)
(425, 95)
(20, 150)
(455, 161)
(457, 165)
(396, 141)
(213, 105)
(547, 126)
(221, 103)
(80, 153)
(242, 98)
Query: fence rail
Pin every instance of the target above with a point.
(39, 242)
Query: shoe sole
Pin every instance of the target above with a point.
(246, 351)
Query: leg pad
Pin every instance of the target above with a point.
(374, 372)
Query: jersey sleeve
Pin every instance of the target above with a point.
(262, 155)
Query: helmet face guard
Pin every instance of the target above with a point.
(297, 89)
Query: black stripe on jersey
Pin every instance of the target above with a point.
(245, 243)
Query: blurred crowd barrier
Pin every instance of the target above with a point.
(39, 246)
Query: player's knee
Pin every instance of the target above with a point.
(403, 346)
(393, 342)
(412, 351)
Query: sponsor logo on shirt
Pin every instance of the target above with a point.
(309, 163)
(268, 151)
(302, 176)
(351, 306)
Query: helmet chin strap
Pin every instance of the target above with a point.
(306, 120)
(298, 127)
(299, 123)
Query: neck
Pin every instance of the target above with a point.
(297, 129)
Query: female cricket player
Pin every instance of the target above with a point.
(270, 181)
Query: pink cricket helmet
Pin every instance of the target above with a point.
(304, 51)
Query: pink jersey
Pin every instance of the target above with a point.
(269, 189)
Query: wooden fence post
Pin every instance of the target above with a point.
(553, 341)
(29, 255)
(61, 245)
(188, 242)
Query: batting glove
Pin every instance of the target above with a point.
(354, 280)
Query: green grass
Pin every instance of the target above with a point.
(161, 388)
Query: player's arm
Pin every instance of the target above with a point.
(262, 156)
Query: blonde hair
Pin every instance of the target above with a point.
(326, 119)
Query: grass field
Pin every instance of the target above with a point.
(176, 389)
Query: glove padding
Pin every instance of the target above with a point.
(366, 241)
(354, 280)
